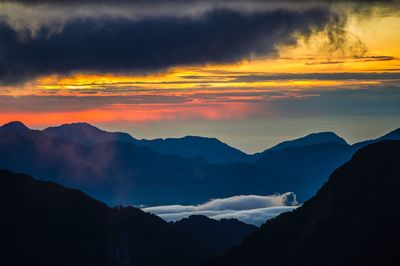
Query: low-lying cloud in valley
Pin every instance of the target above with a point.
(252, 209)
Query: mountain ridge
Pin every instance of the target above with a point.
(46, 224)
(216, 235)
(310, 139)
(352, 220)
(51, 225)
(124, 173)
(210, 149)
(87, 134)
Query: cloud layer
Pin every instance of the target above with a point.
(250, 209)
(152, 44)
(59, 37)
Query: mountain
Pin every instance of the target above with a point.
(115, 172)
(307, 162)
(311, 139)
(210, 149)
(15, 127)
(85, 133)
(45, 224)
(306, 167)
(119, 172)
(352, 220)
(217, 236)
(393, 135)
(123, 173)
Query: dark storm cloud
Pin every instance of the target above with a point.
(59, 36)
(124, 45)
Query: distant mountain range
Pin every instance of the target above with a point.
(352, 220)
(45, 224)
(210, 149)
(119, 169)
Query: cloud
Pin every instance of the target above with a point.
(325, 63)
(338, 76)
(357, 59)
(28, 17)
(42, 37)
(147, 43)
(352, 92)
(251, 209)
(375, 58)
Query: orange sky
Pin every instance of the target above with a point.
(211, 92)
(380, 53)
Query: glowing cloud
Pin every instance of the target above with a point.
(251, 209)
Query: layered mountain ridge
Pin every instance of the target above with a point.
(352, 220)
(114, 169)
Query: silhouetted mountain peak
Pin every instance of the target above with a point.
(15, 126)
(392, 135)
(190, 139)
(210, 149)
(202, 219)
(199, 138)
(395, 134)
(85, 133)
(195, 218)
(311, 139)
(79, 126)
(217, 235)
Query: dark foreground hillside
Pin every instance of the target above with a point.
(42, 223)
(216, 236)
(353, 220)
(46, 224)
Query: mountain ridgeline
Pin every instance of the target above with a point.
(117, 169)
(210, 149)
(352, 220)
(43, 223)
(216, 235)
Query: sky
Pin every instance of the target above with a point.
(251, 73)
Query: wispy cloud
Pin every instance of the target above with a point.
(375, 58)
(252, 209)
(325, 63)
(361, 93)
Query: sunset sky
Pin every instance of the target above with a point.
(251, 73)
